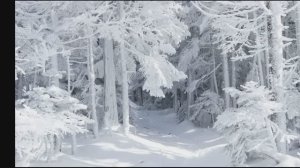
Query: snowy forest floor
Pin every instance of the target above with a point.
(156, 140)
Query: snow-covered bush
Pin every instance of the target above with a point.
(292, 104)
(28, 136)
(293, 114)
(206, 108)
(249, 128)
(46, 114)
(292, 97)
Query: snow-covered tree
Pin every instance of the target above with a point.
(206, 108)
(233, 28)
(45, 114)
(231, 64)
(249, 128)
(243, 32)
(147, 37)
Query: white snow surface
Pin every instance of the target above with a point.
(156, 140)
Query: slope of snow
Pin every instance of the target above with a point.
(156, 140)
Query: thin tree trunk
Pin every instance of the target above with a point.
(74, 144)
(69, 74)
(298, 30)
(54, 59)
(226, 79)
(233, 82)
(214, 65)
(57, 144)
(34, 78)
(211, 81)
(141, 101)
(92, 90)
(20, 86)
(267, 54)
(55, 80)
(125, 103)
(189, 94)
(214, 73)
(135, 97)
(69, 91)
(44, 58)
(260, 69)
(175, 102)
(259, 58)
(286, 34)
(51, 147)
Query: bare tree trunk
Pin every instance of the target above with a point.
(141, 101)
(74, 144)
(260, 69)
(20, 86)
(189, 94)
(69, 74)
(175, 102)
(286, 34)
(267, 54)
(55, 80)
(54, 59)
(259, 58)
(214, 73)
(34, 78)
(214, 79)
(226, 79)
(233, 82)
(211, 82)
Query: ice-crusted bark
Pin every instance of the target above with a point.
(259, 56)
(214, 74)
(277, 64)
(125, 102)
(73, 143)
(92, 90)
(226, 79)
(267, 53)
(55, 80)
(298, 28)
(233, 82)
(110, 100)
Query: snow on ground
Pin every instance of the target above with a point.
(288, 161)
(157, 140)
(285, 161)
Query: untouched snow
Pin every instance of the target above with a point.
(288, 161)
(156, 140)
(285, 161)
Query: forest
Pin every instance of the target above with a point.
(157, 83)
